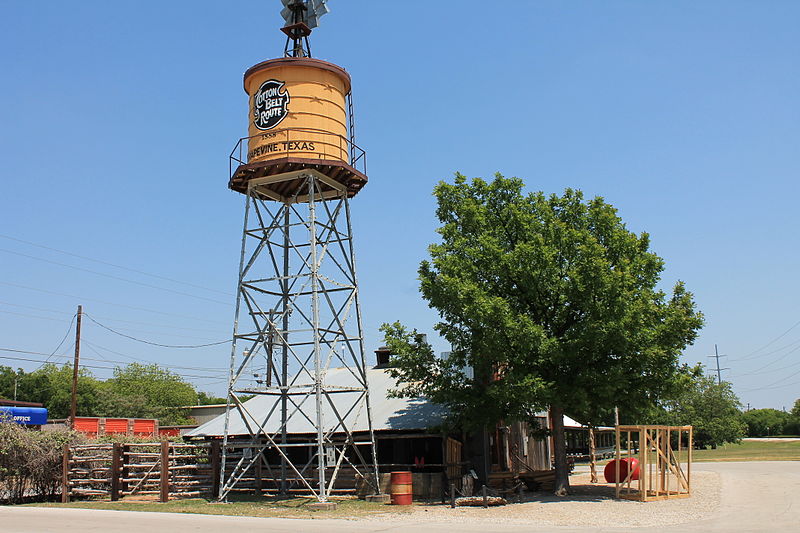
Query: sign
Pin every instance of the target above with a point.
(270, 104)
(25, 416)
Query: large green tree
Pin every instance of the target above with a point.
(139, 390)
(551, 301)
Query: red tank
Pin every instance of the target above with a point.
(610, 471)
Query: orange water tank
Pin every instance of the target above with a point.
(298, 108)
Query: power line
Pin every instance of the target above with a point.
(760, 369)
(31, 316)
(161, 325)
(60, 312)
(81, 365)
(151, 324)
(747, 356)
(157, 276)
(63, 339)
(183, 335)
(93, 345)
(772, 385)
(154, 311)
(141, 283)
(781, 358)
(769, 371)
(40, 360)
(776, 350)
(156, 343)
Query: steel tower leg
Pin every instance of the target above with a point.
(298, 303)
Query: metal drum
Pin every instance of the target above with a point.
(401, 488)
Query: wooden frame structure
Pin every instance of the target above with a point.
(658, 450)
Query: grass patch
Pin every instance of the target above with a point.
(242, 506)
(751, 451)
(745, 451)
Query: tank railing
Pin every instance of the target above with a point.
(333, 146)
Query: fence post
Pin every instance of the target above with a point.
(125, 472)
(258, 476)
(215, 466)
(65, 475)
(485, 497)
(116, 467)
(452, 495)
(164, 496)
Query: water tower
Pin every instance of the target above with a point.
(297, 342)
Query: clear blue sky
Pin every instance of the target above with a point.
(117, 119)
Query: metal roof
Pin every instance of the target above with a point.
(571, 423)
(388, 414)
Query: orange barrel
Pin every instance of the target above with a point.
(401, 488)
(298, 109)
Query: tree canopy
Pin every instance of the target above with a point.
(51, 385)
(766, 422)
(551, 300)
(135, 391)
(149, 391)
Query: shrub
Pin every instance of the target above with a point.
(30, 462)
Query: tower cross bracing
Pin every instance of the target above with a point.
(297, 318)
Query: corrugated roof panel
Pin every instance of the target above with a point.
(387, 413)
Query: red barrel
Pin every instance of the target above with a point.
(610, 471)
(400, 488)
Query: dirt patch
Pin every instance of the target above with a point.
(589, 504)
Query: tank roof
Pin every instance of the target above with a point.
(299, 62)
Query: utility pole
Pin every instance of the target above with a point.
(719, 370)
(74, 405)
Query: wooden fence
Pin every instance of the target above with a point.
(172, 470)
(167, 469)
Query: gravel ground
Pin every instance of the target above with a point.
(589, 504)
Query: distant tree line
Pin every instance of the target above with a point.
(135, 391)
(771, 422)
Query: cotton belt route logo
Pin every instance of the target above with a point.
(270, 104)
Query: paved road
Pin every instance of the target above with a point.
(756, 496)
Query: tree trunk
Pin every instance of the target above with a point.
(592, 456)
(560, 451)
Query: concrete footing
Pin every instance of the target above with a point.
(321, 506)
(379, 498)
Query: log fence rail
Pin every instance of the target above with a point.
(168, 469)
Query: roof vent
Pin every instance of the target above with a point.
(382, 355)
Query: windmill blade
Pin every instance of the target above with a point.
(310, 15)
(287, 13)
(317, 8)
